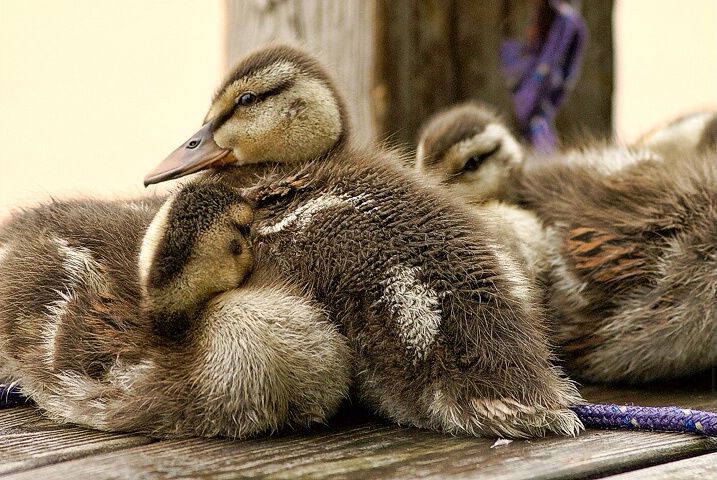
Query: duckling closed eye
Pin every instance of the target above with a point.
(469, 150)
(74, 330)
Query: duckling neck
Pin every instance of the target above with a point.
(252, 174)
(171, 322)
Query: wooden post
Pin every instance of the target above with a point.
(433, 53)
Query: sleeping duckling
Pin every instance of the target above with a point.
(195, 342)
(471, 153)
(445, 329)
(468, 152)
(685, 135)
(607, 319)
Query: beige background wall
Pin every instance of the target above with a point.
(666, 61)
(94, 93)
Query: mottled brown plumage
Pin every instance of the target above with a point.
(446, 336)
(628, 233)
(634, 275)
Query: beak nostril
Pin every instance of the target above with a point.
(194, 143)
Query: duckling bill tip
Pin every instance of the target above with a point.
(197, 153)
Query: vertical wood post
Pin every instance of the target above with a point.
(433, 53)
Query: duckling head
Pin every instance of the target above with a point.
(197, 246)
(278, 105)
(467, 149)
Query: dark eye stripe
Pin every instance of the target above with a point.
(222, 118)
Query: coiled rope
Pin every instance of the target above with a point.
(10, 395)
(663, 419)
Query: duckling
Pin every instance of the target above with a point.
(196, 341)
(468, 152)
(446, 332)
(685, 135)
(634, 274)
(471, 153)
(606, 320)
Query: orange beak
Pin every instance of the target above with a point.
(198, 153)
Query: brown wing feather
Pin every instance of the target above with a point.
(602, 256)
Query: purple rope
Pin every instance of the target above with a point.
(542, 72)
(666, 419)
(10, 395)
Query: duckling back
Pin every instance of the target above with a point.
(68, 269)
(635, 271)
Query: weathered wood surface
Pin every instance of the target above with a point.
(356, 447)
(703, 467)
(27, 441)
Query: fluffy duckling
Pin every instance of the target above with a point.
(614, 271)
(159, 350)
(470, 152)
(445, 329)
(685, 135)
(634, 275)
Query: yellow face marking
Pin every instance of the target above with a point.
(298, 122)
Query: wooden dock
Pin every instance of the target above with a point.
(363, 446)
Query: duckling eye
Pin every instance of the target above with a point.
(235, 247)
(247, 99)
(474, 162)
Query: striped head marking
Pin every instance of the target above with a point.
(197, 246)
(469, 150)
(277, 106)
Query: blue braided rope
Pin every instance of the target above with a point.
(10, 395)
(665, 419)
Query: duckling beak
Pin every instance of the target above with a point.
(197, 153)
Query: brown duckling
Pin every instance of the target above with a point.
(471, 153)
(446, 331)
(468, 152)
(685, 135)
(634, 277)
(607, 319)
(160, 349)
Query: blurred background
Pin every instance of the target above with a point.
(94, 94)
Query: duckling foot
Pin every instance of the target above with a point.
(463, 409)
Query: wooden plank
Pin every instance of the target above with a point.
(28, 440)
(703, 467)
(657, 396)
(362, 446)
(342, 32)
(377, 449)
